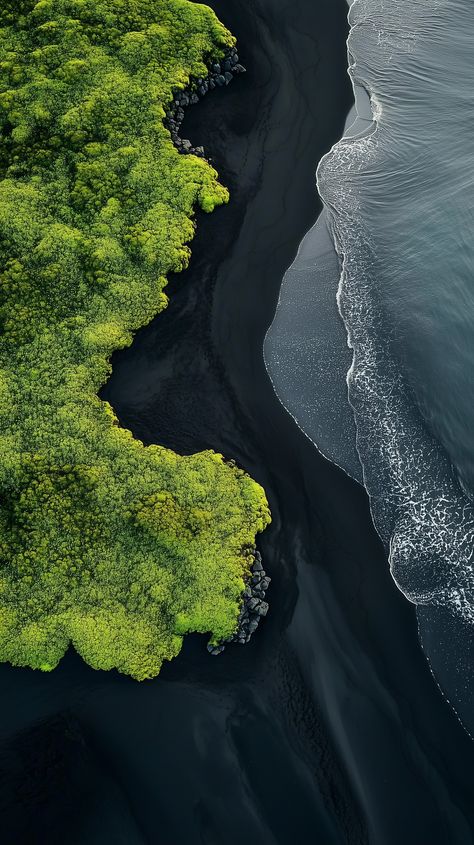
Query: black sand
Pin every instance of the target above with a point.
(328, 727)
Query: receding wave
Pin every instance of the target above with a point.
(400, 201)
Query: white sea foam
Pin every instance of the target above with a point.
(417, 502)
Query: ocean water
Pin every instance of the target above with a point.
(398, 195)
(401, 207)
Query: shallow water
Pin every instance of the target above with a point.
(398, 195)
(402, 209)
(306, 352)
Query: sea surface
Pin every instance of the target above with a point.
(399, 202)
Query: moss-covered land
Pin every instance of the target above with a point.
(113, 546)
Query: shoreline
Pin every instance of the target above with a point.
(308, 730)
(256, 581)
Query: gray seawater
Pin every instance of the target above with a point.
(400, 204)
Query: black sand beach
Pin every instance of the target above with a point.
(328, 726)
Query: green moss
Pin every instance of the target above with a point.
(113, 546)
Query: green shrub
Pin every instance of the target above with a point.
(116, 547)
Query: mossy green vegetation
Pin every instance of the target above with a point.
(113, 546)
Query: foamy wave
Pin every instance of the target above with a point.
(419, 509)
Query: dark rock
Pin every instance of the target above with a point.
(215, 649)
(220, 74)
(238, 68)
(254, 607)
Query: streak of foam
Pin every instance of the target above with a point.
(418, 506)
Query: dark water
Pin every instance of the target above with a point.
(328, 727)
(306, 351)
(398, 197)
(402, 210)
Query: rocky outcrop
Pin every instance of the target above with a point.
(253, 609)
(220, 74)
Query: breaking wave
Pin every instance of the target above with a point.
(400, 201)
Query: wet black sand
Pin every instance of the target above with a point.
(327, 727)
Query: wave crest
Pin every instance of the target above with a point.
(418, 506)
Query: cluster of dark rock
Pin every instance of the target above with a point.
(220, 74)
(254, 606)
